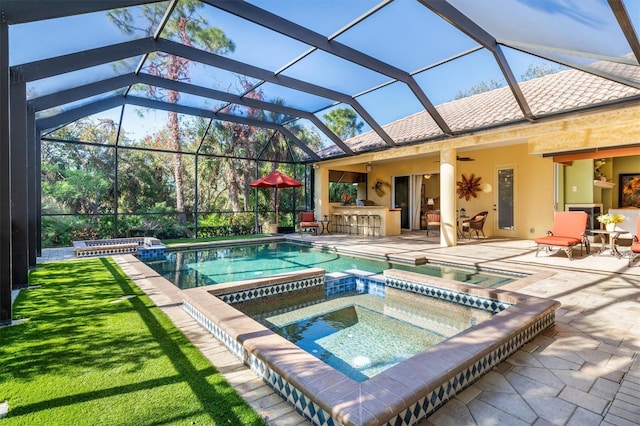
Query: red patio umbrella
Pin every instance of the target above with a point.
(276, 180)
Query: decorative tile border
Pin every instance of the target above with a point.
(245, 295)
(302, 403)
(460, 298)
(233, 345)
(150, 253)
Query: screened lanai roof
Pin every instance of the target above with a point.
(285, 64)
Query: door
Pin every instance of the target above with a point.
(505, 201)
(401, 199)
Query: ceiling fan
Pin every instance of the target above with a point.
(459, 158)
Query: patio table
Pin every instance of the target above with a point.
(325, 226)
(609, 241)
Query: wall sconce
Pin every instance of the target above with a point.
(427, 176)
(486, 188)
(369, 167)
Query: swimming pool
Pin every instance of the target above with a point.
(228, 263)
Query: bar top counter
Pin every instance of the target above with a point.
(389, 218)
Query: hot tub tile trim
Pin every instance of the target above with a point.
(426, 397)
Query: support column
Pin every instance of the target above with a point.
(448, 217)
(195, 197)
(38, 194)
(19, 184)
(33, 179)
(5, 178)
(321, 191)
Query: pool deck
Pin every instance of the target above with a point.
(583, 371)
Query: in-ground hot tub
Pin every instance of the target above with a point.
(403, 394)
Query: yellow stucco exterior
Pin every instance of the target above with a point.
(540, 185)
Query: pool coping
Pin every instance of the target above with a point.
(381, 398)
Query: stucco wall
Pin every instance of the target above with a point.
(533, 179)
(523, 147)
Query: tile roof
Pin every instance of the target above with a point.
(563, 91)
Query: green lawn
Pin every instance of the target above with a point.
(88, 356)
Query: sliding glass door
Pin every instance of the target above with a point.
(401, 197)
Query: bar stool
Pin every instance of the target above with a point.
(352, 222)
(375, 223)
(338, 222)
(362, 224)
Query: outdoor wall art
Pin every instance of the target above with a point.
(467, 187)
(629, 195)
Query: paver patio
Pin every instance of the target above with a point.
(583, 371)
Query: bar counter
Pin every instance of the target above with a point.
(359, 220)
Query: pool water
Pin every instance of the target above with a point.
(362, 334)
(202, 267)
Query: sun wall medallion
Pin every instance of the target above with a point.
(467, 188)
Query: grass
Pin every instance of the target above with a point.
(208, 240)
(89, 356)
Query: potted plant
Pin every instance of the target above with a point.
(610, 220)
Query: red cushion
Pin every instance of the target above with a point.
(569, 224)
(307, 217)
(558, 241)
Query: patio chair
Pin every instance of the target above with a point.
(433, 222)
(635, 245)
(476, 224)
(569, 229)
(307, 222)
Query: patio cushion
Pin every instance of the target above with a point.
(552, 240)
(433, 222)
(307, 217)
(433, 217)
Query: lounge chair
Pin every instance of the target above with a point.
(569, 229)
(307, 221)
(635, 245)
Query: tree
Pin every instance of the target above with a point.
(540, 70)
(481, 87)
(192, 29)
(343, 122)
(77, 176)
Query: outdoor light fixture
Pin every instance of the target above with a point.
(368, 167)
